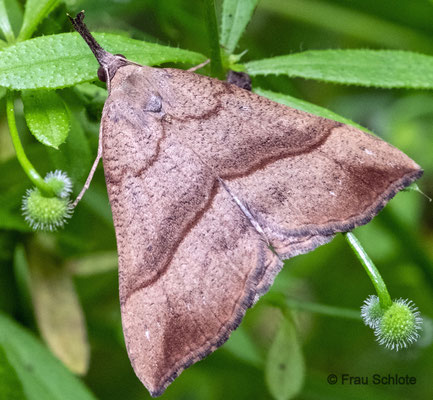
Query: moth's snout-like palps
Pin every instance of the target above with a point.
(211, 187)
(110, 63)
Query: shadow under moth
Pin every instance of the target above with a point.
(211, 187)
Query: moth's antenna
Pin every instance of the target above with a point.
(81, 28)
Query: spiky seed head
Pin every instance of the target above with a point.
(60, 182)
(45, 213)
(400, 325)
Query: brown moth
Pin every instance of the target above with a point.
(211, 187)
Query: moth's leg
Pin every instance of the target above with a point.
(203, 64)
(98, 156)
(92, 171)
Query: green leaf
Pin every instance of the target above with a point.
(58, 311)
(46, 116)
(10, 385)
(346, 19)
(15, 14)
(62, 60)
(380, 68)
(41, 374)
(5, 25)
(234, 19)
(284, 369)
(307, 107)
(241, 345)
(75, 156)
(216, 66)
(35, 12)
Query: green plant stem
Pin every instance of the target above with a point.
(21, 156)
(216, 66)
(370, 268)
(281, 301)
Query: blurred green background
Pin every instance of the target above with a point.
(399, 240)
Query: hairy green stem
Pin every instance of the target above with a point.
(27, 166)
(216, 66)
(372, 271)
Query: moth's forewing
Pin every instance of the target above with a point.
(203, 179)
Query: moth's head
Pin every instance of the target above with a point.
(110, 67)
(109, 63)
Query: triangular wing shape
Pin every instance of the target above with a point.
(204, 178)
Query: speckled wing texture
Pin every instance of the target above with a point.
(211, 187)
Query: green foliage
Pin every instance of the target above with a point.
(379, 68)
(35, 12)
(68, 279)
(64, 59)
(46, 116)
(58, 312)
(214, 43)
(14, 13)
(363, 21)
(41, 375)
(5, 25)
(11, 387)
(241, 346)
(234, 19)
(285, 364)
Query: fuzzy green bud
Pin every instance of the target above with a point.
(399, 326)
(371, 311)
(45, 213)
(59, 182)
